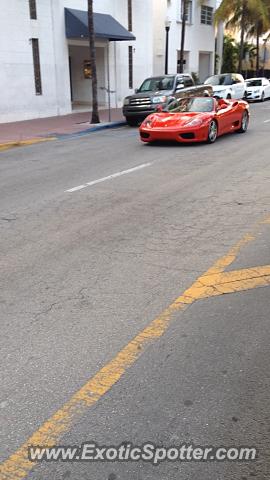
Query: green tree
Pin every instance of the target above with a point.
(259, 26)
(230, 55)
(95, 114)
(240, 14)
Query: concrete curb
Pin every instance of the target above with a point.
(98, 127)
(62, 136)
(21, 143)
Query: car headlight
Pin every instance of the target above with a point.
(126, 101)
(196, 122)
(159, 99)
(147, 123)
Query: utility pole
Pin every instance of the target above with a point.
(184, 5)
(167, 28)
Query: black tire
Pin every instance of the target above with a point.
(244, 122)
(262, 97)
(229, 96)
(132, 122)
(212, 132)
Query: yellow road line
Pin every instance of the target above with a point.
(211, 285)
(21, 143)
(228, 259)
(17, 466)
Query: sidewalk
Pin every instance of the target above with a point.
(39, 128)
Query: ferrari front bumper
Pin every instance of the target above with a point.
(182, 135)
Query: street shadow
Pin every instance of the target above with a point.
(171, 143)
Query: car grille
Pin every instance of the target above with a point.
(140, 102)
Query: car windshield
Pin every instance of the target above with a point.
(196, 104)
(156, 84)
(218, 80)
(254, 83)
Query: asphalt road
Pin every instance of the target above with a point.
(84, 271)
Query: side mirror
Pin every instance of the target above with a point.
(179, 87)
(136, 90)
(221, 107)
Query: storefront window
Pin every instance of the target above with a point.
(87, 70)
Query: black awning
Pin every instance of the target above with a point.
(105, 26)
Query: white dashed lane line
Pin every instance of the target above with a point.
(109, 177)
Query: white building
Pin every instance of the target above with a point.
(44, 51)
(199, 52)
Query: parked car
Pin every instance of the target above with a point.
(227, 85)
(196, 119)
(257, 89)
(160, 91)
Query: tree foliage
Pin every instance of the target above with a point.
(231, 54)
(250, 17)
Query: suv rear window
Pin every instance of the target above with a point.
(156, 84)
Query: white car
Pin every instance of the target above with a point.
(227, 85)
(257, 89)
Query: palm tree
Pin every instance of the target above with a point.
(240, 14)
(249, 51)
(95, 115)
(260, 26)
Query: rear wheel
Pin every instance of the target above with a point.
(229, 96)
(244, 123)
(132, 122)
(212, 132)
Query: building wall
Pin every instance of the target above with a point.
(199, 38)
(159, 37)
(18, 100)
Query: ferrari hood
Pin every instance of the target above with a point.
(165, 119)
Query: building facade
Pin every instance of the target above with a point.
(199, 54)
(44, 52)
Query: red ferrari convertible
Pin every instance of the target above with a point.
(197, 119)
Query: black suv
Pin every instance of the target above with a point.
(161, 90)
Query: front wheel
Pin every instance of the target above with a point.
(229, 96)
(212, 132)
(262, 97)
(244, 123)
